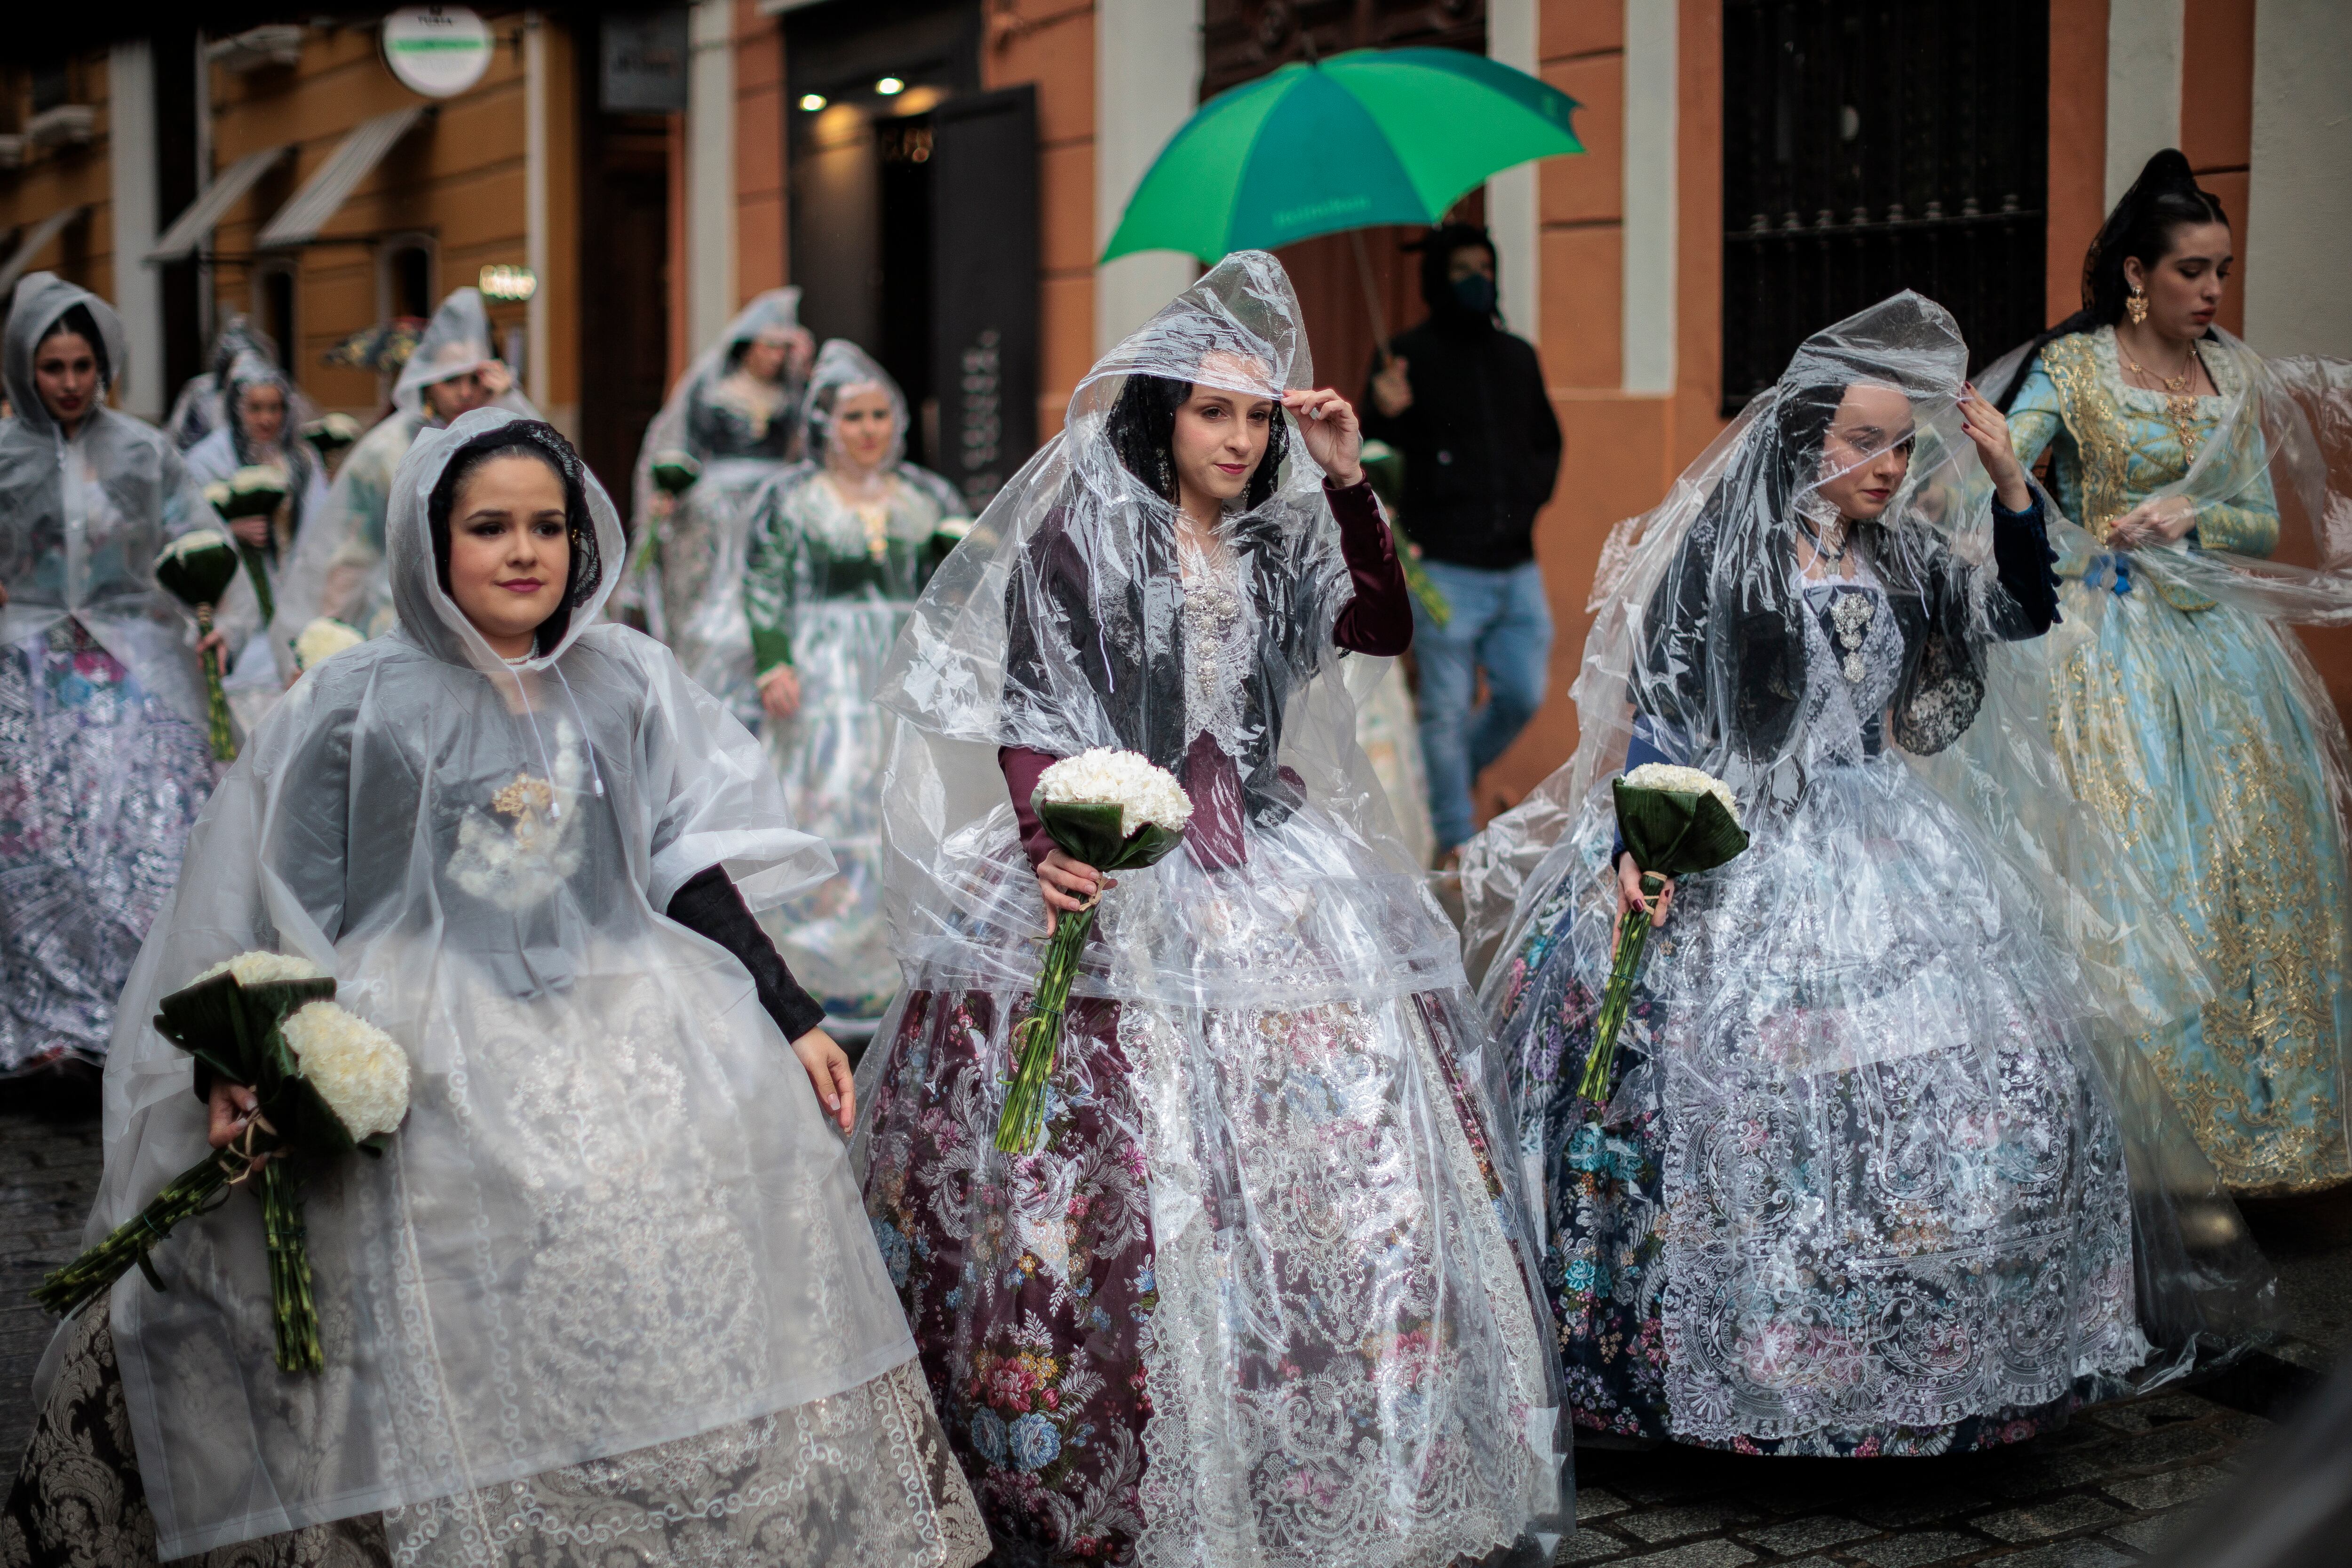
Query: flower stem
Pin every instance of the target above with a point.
(216, 701)
(1632, 936)
(1021, 1130)
(188, 1195)
(257, 572)
(297, 1311)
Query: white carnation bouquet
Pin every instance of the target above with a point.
(1675, 821)
(256, 490)
(326, 1082)
(321, 640)
(1115, 811)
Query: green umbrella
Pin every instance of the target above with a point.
(1372, 136)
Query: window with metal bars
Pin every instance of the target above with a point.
(1871, 146)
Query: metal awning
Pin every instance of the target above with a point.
(188, 230)
(36, 239)
(300, 220)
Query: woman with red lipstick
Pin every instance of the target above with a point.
(1261, 1297)
(1862, 1181)
(2186, 716)
(103, 759)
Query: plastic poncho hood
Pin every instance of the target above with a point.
(456, 342)
(842, 367)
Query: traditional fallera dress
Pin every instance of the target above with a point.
(104, 761)
(686, 584)
(609, 1294)
(2196, 726)
(1264, 1295)
(1864, 1182)
(827, 585)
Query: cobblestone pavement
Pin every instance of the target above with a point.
(2101, 1492)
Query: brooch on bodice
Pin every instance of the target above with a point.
(1851, 617)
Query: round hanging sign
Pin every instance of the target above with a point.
(438, 50)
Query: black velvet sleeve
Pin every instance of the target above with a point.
(709, 906)
(2022, 557)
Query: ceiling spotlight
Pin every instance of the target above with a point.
(889, 87)
(811, 101)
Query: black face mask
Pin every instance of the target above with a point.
(1475, 294)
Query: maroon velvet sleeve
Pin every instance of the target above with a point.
(1379, 619)
(1022, 767)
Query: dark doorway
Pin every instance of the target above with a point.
(1868, 147)
(984, 287)
(177, 181)
(623, 282)
(870, 82)
(409, 272)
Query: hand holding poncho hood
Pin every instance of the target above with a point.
(615, 1216)
(1269, 1053)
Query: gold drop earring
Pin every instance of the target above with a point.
(2136, 306)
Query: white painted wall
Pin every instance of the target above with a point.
(2144, 50)
(2297, 229)
(131, 164)
(1513, 217)
(539, 372)
(1651, 63)
(710, 174)
(1147, 82)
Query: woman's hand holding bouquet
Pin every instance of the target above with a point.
(294, 1076)
(1108, 811)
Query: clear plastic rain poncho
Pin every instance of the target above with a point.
(338, 568)
(686, 576)
(615, 1216)
(103, 757)
(2188, 713)
(836, 555)
(1265, 1191)
(1881, 1171)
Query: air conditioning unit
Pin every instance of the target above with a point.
(67, 125)
(279, 44)
(12, 151)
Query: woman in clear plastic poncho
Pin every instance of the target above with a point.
(103, 757)
(2185, 712)
(609, 1289)
(734, 418)
(339, 570)
(1262, 1297)
(1877, 1172)
(840, 545)
(258, 405)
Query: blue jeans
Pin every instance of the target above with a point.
(1501, 624)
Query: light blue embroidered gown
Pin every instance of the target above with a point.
(2201, 734)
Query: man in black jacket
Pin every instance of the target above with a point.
(1465, 402)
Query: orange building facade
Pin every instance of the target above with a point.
(755, 143)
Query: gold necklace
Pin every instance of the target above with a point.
(2180, 403)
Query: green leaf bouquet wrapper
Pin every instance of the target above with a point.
(1670, 833)
(1086, 831)
(238, 1031)
(196, 569)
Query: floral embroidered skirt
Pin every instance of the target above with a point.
(100, 784)
(1256, 1301)
(863, 1476)
(1852, 1193)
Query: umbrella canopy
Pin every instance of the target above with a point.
(1372, 136)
